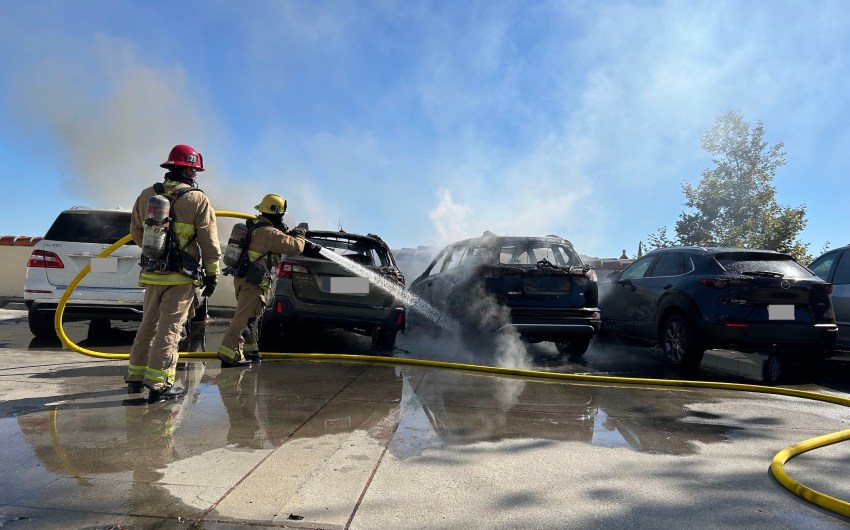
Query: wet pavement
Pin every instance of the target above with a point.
(297, 444)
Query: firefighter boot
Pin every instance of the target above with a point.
(135, 387)
(172, 392)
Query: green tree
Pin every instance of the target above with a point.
(734, 205)
(660, 239)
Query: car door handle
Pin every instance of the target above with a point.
(667, 286)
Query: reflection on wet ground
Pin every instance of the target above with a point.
(262, 407)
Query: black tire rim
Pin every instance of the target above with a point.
(675, 341)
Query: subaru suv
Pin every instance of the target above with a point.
(691, 299)
(110, 291)
(317, 293)
(536, 286)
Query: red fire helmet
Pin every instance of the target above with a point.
(186, 156)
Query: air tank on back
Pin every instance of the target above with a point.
(233, 252)
(156, 227)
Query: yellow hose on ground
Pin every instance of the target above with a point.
(777, 464)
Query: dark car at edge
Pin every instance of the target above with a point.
(834, 267)
(691, 299)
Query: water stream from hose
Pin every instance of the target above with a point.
(413, 302)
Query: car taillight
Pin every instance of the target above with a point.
(827, 287)
(590, 274)
(45, 259)
(287, 268)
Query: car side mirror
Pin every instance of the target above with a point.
(615, 276)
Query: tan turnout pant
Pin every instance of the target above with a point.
(250, 301)
(153, 357)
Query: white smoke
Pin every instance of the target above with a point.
(452, 221)
(114, 117)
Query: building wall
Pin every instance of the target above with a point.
(14, 254)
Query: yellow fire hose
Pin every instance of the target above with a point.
(776, 467)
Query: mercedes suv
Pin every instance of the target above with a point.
(110, 291)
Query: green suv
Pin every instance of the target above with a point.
(311, 294)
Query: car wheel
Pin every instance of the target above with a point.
(574, 347)
(41, 324)
(99, 326)
(383, 340)
(268, 336)
(679, 344)
(774, 369)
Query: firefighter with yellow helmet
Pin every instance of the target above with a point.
(266, 241)
(175, 225)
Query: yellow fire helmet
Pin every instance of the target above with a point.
(273, 204)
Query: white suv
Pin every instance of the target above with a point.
(110, 291)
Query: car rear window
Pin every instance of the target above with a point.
(529, 252)
(755, 263)
(90, 227)
(359, 251)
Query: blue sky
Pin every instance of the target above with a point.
(423, 122)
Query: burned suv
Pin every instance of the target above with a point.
(537, 286)
(110, 291)
(318, 293)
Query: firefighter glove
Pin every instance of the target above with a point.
(210, 283)
(312, 250)
(298, 232)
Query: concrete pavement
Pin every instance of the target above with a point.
(352, 445)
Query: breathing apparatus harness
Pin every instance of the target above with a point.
(174, 258)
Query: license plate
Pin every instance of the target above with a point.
(349, 285)
(780, 312)
(546, 284)
(104, 264)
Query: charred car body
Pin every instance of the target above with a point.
(690, 299)
(313, 293)
(537, 286)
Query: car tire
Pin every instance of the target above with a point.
(774, 370)
(383, 340)
(41, 324)
(679, 343)
(268, 337)
(574, 347)
(99, 326)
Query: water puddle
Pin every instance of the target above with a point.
(413, 302)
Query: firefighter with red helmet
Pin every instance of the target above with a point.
(267, 240)
(175, 261)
